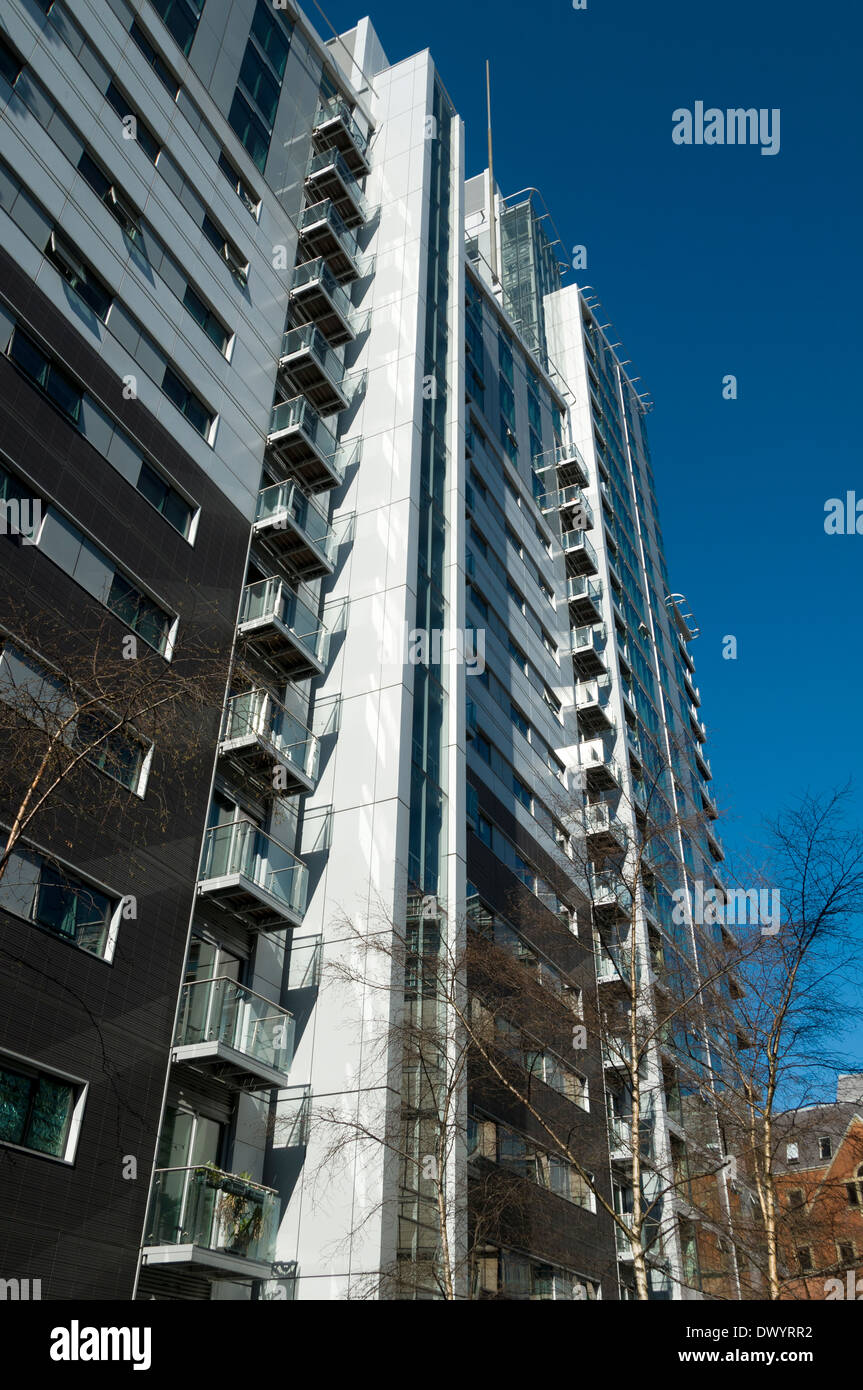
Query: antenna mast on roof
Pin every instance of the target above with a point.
(492, 207)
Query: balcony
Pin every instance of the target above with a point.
(308, 366)
(214, 1223)
(336, 128)
(317, 297)
(570, 500)
(253, 877)
(292, 526)
(620, 1138)
(605, 832)
(601, 773)
(703, 764)
(234, 1034)
(588, 650)
(584, 597)
(330, 176)
(617, 970)
(578, 552)
(567, 463)
(708, 801)
(283, 631)
(593, 706)
(697, 727)
(259, 735)
(714, 844)
(324, 236)
(300, 441)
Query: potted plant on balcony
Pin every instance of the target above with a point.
(241, 1212)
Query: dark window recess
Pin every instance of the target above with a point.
(11, 66)
(78, 276)
(143, 134)
(115, 201)
(260, 84)
(57, 901)
(139, 613)
(155, 59)
(186, 401)
(273, 36)
(206, 318)
(56, 385)
(165, 499)
(110, 750)
(238, 183)
(226, 249)
(180, 18)
(35, 1110)
(251, 132)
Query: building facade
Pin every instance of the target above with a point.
(283, 380)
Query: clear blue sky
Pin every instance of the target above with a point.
(709, 261)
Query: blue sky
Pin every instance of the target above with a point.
(709, 261)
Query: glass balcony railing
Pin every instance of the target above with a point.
(593, 692)
(326, 212)
(270, 600)
(568, 497)
(318, 272)
(239, 850)
(337, 109)
(310, 340)
(599, 818)
(215, 1211)
(582, 586)
(576, 545)
(589, 638)
(563, 457)
(298, 414)
(333, 159)
(285, 503)
(221, 1011)
(255, 714)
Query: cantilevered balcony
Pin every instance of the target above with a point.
(605, 832)
(561, 467)
(309, 366)
(212, 1223)
(588, 650)
(714, 844)
(600, 773)
(249, 875)
(708, 802)
(584, 596)
(703, 763)
(228, 1031)
(571, 501)
(277, 626)
(295, 528)
(593, 706)
(330, 176)
(301, 442)
(260, 736)
(697, 727)
(578, 552)
(317, 297)
(335, 127)
(323, 235)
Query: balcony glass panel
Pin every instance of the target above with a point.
(255, 714)
(272, 599)
(286, 499)
(220, 1010)
(215, 1211)
(239, 849)
(318, 270)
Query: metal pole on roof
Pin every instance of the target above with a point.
(492, 208)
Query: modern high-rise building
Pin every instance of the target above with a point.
(287, 388)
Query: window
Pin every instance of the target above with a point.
(165, 499)
(40, 891)
(85, 283)
(482, 747)
(143, 134)
(260, 85)
(522, 793)
(792, 1154)
(50, 379)
(272, 36)
(113, 198)
(855, 1190)
(250, 131)
(825, 1148)
(156, 61)
(37, 1109)
(180, 18)
(804, 1258)
(483, 830)
(239, 185)
(226, 249)
(11, 66)
(113, 752)
(847, 1252)
(139, 613)
(519, 720)
(795, 1198)
(187, 402)
(205, 316)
